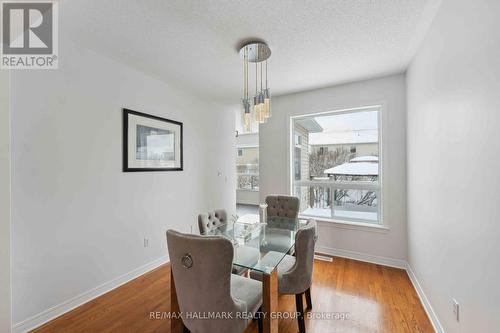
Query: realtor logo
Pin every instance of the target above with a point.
(29, 35)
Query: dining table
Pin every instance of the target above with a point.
(259, 245)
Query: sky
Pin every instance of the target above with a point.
(354, 127)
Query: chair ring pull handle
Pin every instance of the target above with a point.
(187, 261)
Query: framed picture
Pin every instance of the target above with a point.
(151, 143)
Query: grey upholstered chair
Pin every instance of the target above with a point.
(282, 206)
(295, 272)
(201, 268)
(211, 220)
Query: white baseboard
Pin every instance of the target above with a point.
(424, 300)
(391, 262)
(56, 311)
(397, 263)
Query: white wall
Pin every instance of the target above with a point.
(453, 161)
(247, 140)
(5, 283)
(247, 197)
(274, 167)
(78, 221)
(219, 145)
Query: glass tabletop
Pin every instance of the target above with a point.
(260, 246)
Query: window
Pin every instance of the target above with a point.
(297, 140)
(337, 174)
(247, 168)
(297, 164)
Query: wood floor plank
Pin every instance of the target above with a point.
(374, 298)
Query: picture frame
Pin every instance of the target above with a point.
(151, 143)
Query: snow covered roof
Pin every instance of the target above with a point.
(354, 169)
(365, 159)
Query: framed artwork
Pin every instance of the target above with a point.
(151, 143)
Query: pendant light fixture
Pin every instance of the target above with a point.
(257, 53)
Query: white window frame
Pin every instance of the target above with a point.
(379, 186)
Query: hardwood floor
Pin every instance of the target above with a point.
(374, 298)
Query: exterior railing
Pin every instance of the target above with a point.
(340, 200)
(248, 181)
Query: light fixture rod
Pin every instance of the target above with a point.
(246, 75)
(266, 73)
(261, 76)
(256, 78)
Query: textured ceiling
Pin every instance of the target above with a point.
(192, 44)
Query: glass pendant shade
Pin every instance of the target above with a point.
(258, 113)
(267, 104)
(266, 108)
(256, 108)
(247, 122)
(262, 118)
(247, 116)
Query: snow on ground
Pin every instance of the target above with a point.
(356, 168)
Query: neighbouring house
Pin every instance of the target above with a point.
(359, 143)
(301, 151)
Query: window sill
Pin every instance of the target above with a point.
(247, 190)
(334, 223)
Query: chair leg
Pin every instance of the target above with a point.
(308, 299)
(259, 321)
(300, 310)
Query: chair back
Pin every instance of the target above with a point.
(299, 278)
(211, 220)
(201, 268)
(282, 206)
